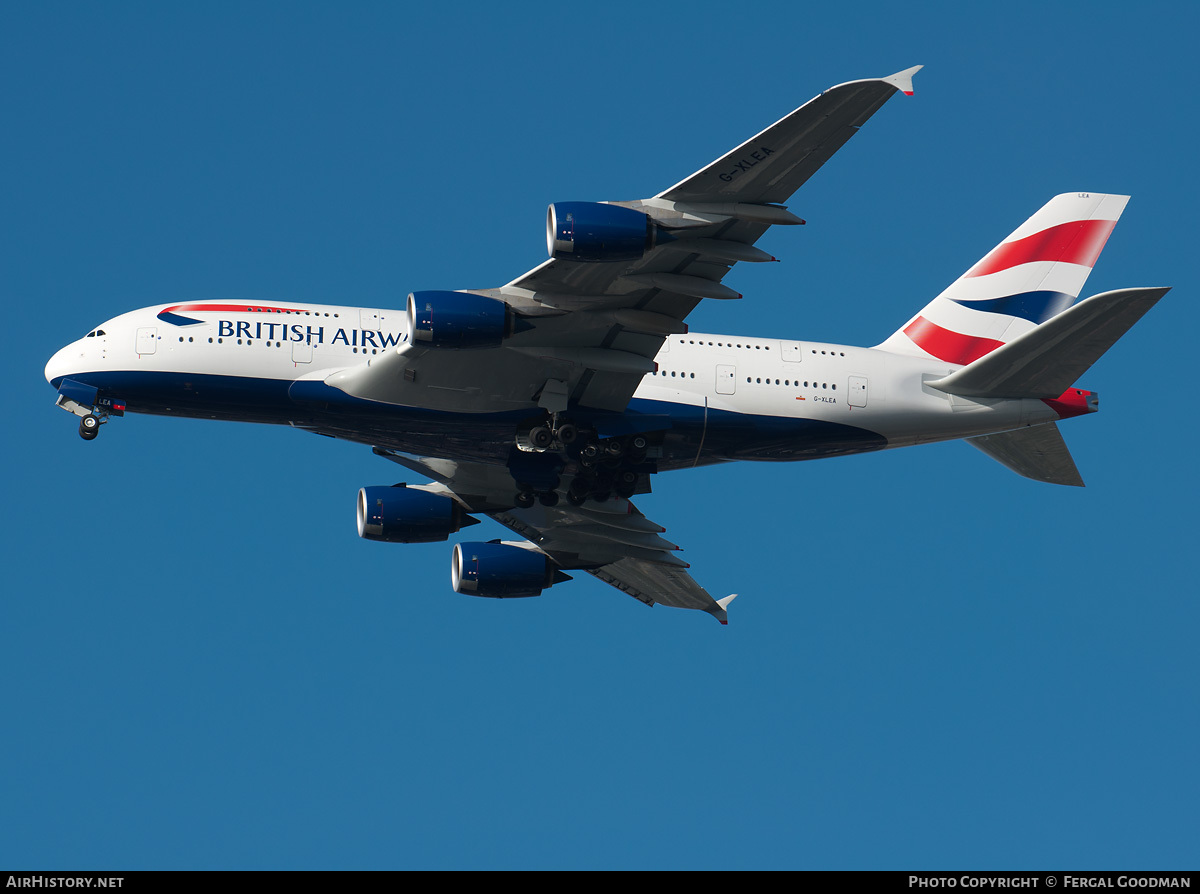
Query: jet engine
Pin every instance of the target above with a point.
(501, 570)
(457, 320)
(401, 514)
(594, 231)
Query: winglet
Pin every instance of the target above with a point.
(902, 80)
(719, 612)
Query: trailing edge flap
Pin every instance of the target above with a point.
(1046, 361)
(1038, 452)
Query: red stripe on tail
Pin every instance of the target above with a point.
(945, 344)
(1078, 242)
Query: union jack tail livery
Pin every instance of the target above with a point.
(1034, 274)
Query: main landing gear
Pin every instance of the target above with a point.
(527, 495)
(544, 436)
(603, 467)
(607, 467)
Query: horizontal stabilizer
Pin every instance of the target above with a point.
(1038, 452)
(1047, 360)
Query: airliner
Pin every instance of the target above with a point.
(550, 403)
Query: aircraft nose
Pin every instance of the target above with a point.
(60, 364)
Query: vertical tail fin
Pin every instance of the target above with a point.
(1037, 272)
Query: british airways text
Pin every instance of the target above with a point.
(314, 335)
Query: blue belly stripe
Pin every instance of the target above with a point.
(314, 406)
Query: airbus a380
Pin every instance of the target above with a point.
(548, 403)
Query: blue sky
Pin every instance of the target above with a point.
(933, 662)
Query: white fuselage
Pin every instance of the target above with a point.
(737, 380)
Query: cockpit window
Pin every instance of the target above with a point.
(99, 331)
(94, 333)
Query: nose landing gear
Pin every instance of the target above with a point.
(92, 408)
(89, 426)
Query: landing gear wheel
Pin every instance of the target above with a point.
(576, 499)
(548, 498)
(89, 427)
(567, 433)
(541, 437)
(524, 499)
(625, 484)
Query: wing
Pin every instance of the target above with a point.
(582, 333)
(611, 540)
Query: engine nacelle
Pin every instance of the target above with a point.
(457, 320)
(408, 515)
(501, 570)
(593, 231)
